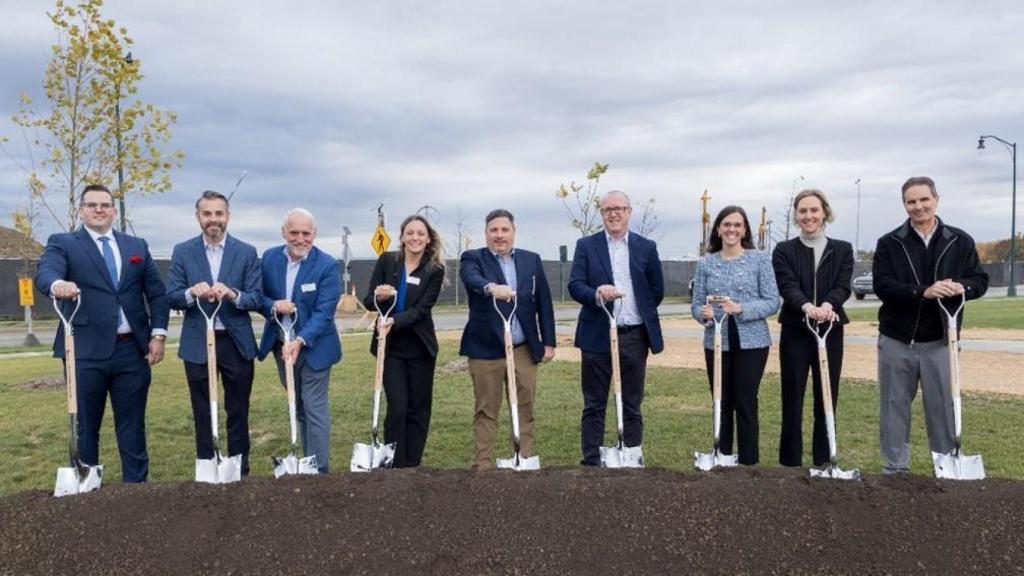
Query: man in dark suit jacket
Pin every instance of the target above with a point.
(615, 267)
(208, 268)
(501, 271)
(119, 330)
(299, 276)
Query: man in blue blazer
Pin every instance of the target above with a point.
(119, 330)
(212, 267)
(299, 276)
(497, 272)
(615, 267)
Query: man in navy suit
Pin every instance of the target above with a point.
(212, 267)
(500, 271)
(119, 330)
(615, 267)
(299, 276)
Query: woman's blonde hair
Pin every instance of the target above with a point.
(829, 214)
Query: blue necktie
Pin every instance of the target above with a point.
(108, 257)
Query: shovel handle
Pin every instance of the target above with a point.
(510, 370)
(382, 346)
(69, 372)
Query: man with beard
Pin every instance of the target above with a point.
(299, 277)
(210, 268)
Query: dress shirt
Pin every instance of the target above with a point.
(291, 273)
(508, 268)
(214, 256)
(618, 252)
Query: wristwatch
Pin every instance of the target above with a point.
(159, 337)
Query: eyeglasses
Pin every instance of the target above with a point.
(617, 210)
(104, 206)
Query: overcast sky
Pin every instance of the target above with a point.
(468, 106)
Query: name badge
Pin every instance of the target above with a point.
(412, 280)
(309, 287)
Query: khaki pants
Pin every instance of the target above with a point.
(489, 388)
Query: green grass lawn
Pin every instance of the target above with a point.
(33, 423)
(1005, 313)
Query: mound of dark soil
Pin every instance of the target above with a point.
(556, 521)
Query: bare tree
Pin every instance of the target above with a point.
(648, 221)
(463, 240)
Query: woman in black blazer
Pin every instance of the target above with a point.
(412, 277)
(813, 274)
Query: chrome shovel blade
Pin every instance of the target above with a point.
(707, 461)
(622, 457)
(518, 463)
(219, 470)
(70, 481)
(367, 457)
(957, 466)
(292, 464)
(835, 473)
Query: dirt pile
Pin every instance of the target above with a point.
(556, 521)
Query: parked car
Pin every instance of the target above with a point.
(862, 286)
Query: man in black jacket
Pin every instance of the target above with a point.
(915, 266)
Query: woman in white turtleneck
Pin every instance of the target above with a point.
(813, 273)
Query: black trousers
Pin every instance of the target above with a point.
(409, 387)
(236, 374)
(595, 382)
(798, 354)
(741, 377)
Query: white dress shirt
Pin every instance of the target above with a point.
(618, 252)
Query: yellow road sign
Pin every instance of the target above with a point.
(25, 292)
(380, 240)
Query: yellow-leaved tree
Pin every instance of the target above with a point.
(91, 127)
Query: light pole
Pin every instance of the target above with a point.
(1011, 147)
(856, 246)
(120, 160)
(789, 207)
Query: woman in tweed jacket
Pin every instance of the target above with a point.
(734, 269)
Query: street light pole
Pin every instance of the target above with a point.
(1011, 147)
(120, 159)
(789, 207)
(856, 246)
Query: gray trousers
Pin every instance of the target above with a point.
(311, 408)
(900, 368)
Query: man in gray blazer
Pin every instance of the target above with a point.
(206, 269)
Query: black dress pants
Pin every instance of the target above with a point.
(409, 387)
(595, 381)
(236, 374)
(741, 377)
(798, 354)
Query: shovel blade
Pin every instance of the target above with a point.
(70, 481)
(367, 457)
(622, 457)
(219, 470)
(958, 466)
(518, 463)
(835, 473)
(292, 464)
(707, 461)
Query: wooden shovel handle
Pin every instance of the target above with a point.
(211, 362)
(69, 372)
(510, 370)
(613, 336)
(382, 344)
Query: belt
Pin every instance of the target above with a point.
(627, 328)
(125, 336)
